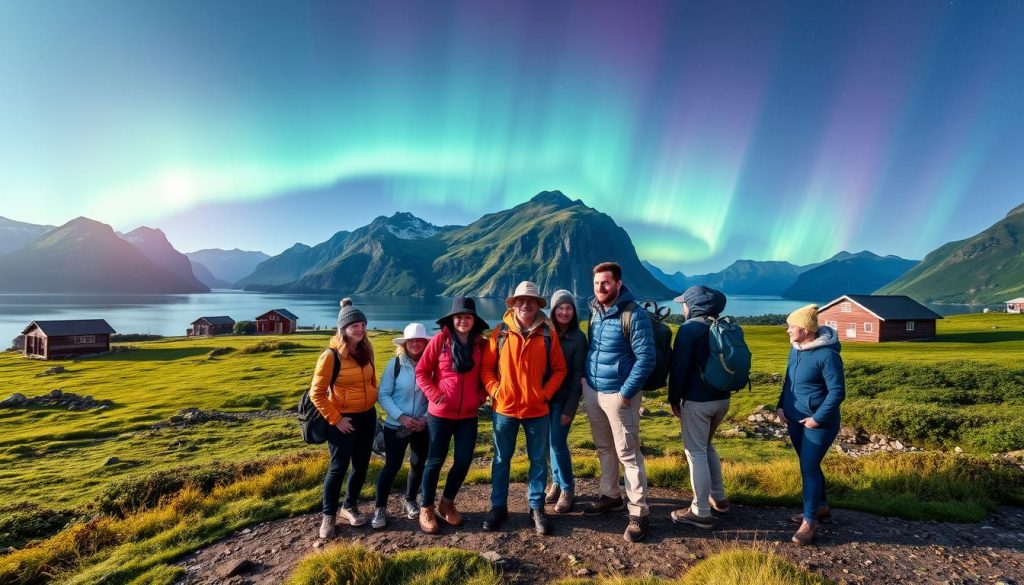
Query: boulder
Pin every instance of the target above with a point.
(111, 461)
(232, 568)
(14, 400)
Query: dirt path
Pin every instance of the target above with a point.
(858, 548)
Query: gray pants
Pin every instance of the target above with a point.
(699, 421)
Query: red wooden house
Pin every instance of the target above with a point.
(878, 318)
(208, 326)
(276, 321)
(67, 338)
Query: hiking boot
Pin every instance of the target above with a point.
(447, 511)
(380, 518)
(327, 529)
(412, 510)
(495, 518)
(720, 506)
(565, 502)
(352, 515)
(551, 496)
(637, 529)
(822, 515)
(805, 534)
(605, 504)
(686, 516)
(541, 522)
(428, 520)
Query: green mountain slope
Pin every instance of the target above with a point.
(846, 273)
(984, 269)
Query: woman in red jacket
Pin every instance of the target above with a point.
(449, 375)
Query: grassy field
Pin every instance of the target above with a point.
(962, 389)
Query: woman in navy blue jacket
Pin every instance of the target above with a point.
(809, 405)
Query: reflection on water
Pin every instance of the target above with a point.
(173, 314)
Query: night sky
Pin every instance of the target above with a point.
(711, 131)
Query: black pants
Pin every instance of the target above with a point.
(394, 456)
(442, 431)
(345, 448)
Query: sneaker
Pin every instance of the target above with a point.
(823, 515)
(565, 502)
(380, 518)
(352, 515)
(541, 522)
(805, 534)
(720, 506)
(412, 510)
(428, 520)
(605, 504)
(327, 529)
(686, 516)
(495, 518)
(637, 529)
(551, 496)
(447, 511)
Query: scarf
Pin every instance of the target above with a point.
(462, 354)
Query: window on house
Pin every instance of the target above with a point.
(868, 327)
(846, 308)
(83, 339)
(910, 325)
(832, 324)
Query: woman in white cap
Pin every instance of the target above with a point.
(406, 422)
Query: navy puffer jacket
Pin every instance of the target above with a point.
(815, 384)
(613, 365)
(691, 350)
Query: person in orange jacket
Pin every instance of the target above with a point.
(349, 407)
(522, 369)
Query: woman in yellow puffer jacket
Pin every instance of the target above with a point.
(349, 408)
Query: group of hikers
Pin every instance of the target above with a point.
(536, 368)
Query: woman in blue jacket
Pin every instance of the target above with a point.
(809, 406)
(406, 422)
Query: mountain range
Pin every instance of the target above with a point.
(987, 268)
(15, 234)
(225, 267)
(550, 240)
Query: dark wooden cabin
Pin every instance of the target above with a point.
(66, 338)
(209, 326)
(279, 321)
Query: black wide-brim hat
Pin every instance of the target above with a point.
(463, 306)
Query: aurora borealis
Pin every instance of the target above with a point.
(710, 131)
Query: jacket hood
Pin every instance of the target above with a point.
(704, 302)
(827, 337)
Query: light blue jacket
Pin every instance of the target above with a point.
(613, 365)
(400, 396)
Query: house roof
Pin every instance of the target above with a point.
(283, 312)
(71, 327)
(216, 320)
(1017, 300)
(890, 307)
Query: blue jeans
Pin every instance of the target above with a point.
(441, 432)
(561, 459)
(811, 446)
(506, 430)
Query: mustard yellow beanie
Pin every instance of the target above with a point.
(806, 317)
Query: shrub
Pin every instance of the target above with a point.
(244, 328)
(219, 351)
(739, 567)
(257, 401)
(265, 346)
(354, 565)
(123, 337)
(24, 522)
(142, 492)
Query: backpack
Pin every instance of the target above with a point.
(503, 336)
(658, 378)
(728, 366)
(313, 424)
(378, 447)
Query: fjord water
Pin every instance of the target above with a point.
(173, 314)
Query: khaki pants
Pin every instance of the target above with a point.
(616, 432)
(699, 421)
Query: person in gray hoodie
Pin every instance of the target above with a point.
(566, 401)
(699, 407)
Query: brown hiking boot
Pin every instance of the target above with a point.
(605, 504)
(446, 511)
(565, 502)
(823, 515)
(551, 496)
(720, 506)
(805, 534)
(428, 520)
(637, 529)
